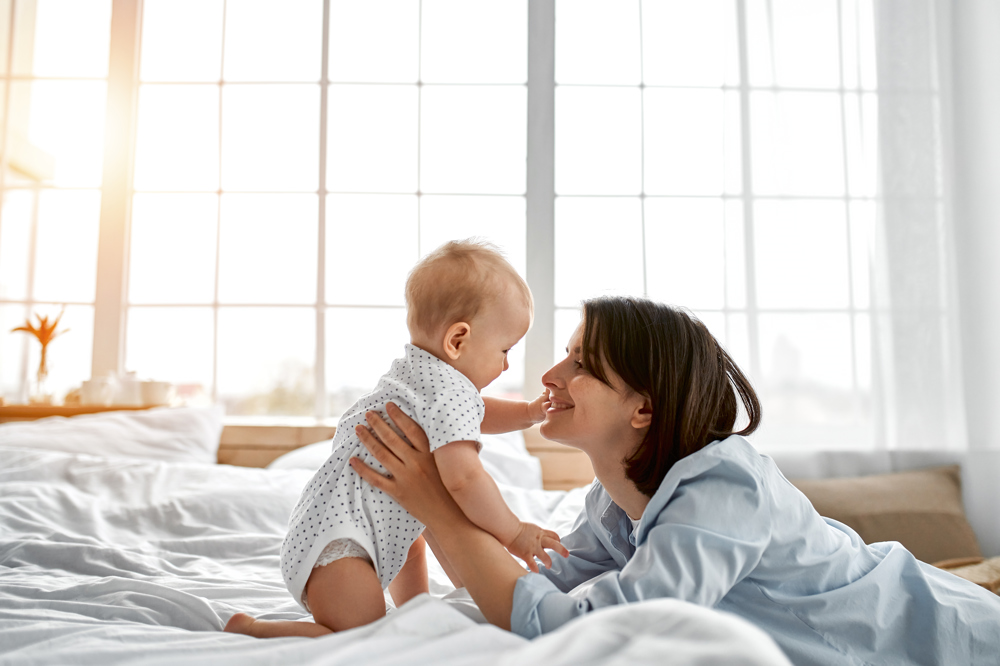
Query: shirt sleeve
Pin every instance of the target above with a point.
(711, 534)
(451, 416)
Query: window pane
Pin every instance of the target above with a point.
(66, 256)
(12, 351)
(371, 245)
(177, 140)
(69, 38)
(688, 43)
(567, 319)
(372, 139)
(267, 248)
(862, 250)
(597, 41)
(473, 139)
(173, 248)
(270, 140)
(474, 42)
(736, 279)
(801, 254)
(861, 121)
(598, 248)
(266, 360)
(181, 40)
(15, 244)
(794, 43)
(57, 131)
(685, 252)
(797, 146)
(68, 357)
(499, 220)
(379, 332)
(274, 40)
(5, 33)
(688, 149)
(806, 366)
(858, 25)
(171, 345)
(374, 41)
(598, 141)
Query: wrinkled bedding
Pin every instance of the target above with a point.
(117, 560)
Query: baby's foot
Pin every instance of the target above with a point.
(240, 624)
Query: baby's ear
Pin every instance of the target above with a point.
(455, 339)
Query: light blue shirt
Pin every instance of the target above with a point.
(726, 530)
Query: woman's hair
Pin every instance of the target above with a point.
(666, 355)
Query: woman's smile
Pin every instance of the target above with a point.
(558, 405)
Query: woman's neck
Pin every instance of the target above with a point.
(623, 492)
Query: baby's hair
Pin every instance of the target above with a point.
(455, 281)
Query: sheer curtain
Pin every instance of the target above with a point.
(917, 368)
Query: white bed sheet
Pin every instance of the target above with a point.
(116, 560)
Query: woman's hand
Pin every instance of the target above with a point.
(414, 481)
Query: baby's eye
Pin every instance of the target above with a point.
(505, 351)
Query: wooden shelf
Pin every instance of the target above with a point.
(31, 412)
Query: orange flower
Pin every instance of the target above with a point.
(45, 332)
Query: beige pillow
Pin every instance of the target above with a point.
(921, 509)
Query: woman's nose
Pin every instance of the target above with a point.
(553, 378)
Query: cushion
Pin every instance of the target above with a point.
(173, 434)
(921, 509)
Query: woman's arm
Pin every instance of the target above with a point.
(488, 571)
(509, 415)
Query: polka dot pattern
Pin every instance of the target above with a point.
(337, 504)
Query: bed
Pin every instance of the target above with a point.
(112, 558)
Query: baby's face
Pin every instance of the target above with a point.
(496, 329)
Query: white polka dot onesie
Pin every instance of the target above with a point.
(337, 504)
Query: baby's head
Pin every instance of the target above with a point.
(468, 306)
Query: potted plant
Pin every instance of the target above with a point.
(45, 332)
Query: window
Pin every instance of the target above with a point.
(294, 159)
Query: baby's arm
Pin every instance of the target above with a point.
(477, 495)
(509, 415)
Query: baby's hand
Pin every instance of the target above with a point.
(538, 407)
(531, 542)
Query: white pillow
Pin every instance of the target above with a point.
(504, 457)
(173, 434)
(309, 457)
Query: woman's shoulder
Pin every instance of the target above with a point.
(732, 460)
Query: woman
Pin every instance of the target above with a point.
(684, 507)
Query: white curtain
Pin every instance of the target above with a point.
(917, 362)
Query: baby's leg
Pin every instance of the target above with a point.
(455, 579)
(342, 595)
(412, 578)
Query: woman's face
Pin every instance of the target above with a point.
(586, 413)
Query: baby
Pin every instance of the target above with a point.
(347, 541)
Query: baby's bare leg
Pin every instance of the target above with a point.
(453, 576)
(412, 578)
(342, 595)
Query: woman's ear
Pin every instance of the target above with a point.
(642, 416)
(455, 338)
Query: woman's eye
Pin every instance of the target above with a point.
(578, 364)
